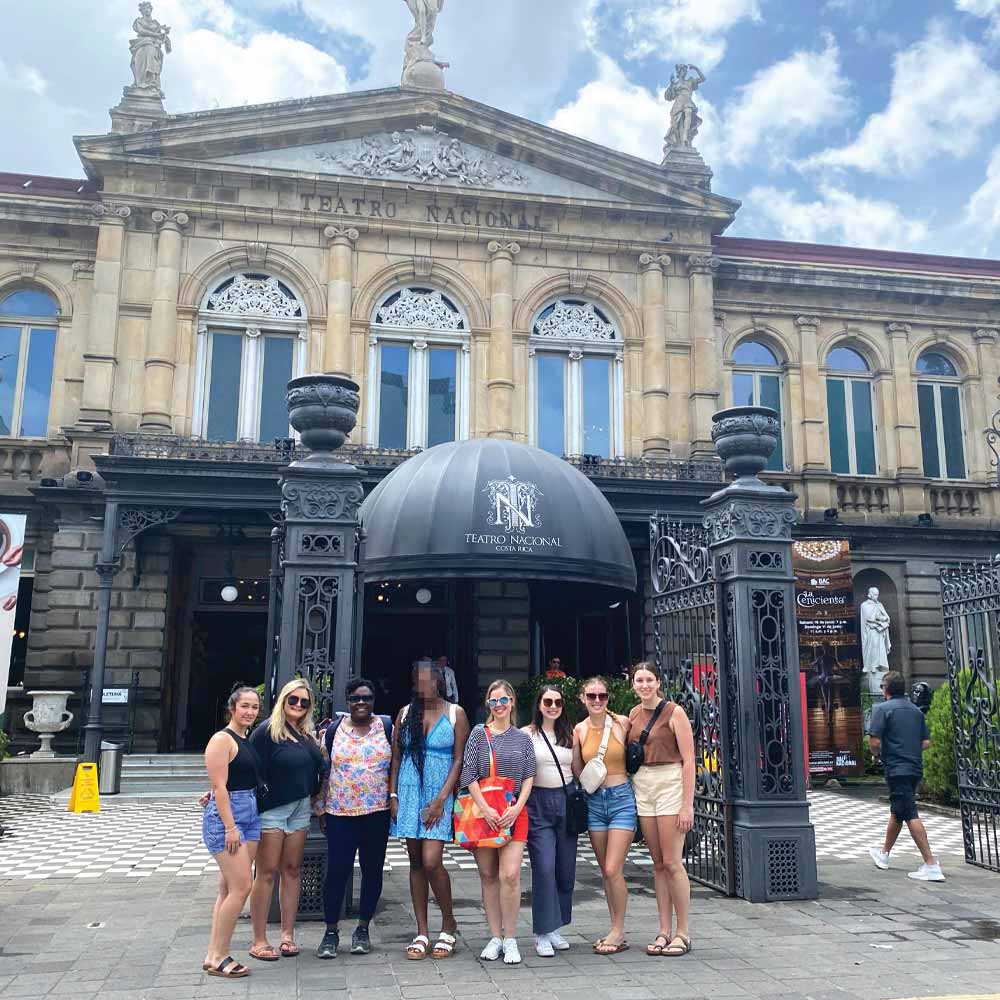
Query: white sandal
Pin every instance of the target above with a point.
(444, 947)
(419, 945)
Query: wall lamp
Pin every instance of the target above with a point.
(925, 520)
(831, 514)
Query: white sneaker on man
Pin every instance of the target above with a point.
(511, 954)
(543, 946)
(558, 941)
(880, 857)
(928, 873)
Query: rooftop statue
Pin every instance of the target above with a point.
(420, 68)
(151, 40)
(684, 118)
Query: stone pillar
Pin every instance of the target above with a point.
(501, 354)
(337, 356)
(909, 459)
(99, 358)
(706, 373)
(809, 407)
(83, 293)
(655, 388)
(750, 536)
(158, 387)
(984, 404)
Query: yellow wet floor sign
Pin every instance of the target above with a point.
(84, 797)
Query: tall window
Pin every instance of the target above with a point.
(851, 413)
(757, 382)
(418, 370)
(27, 357)
(940, 404)
(576, 381)
(251, 342)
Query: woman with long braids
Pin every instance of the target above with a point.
(427, 748)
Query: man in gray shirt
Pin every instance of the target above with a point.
(898, 734)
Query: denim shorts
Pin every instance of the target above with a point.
(245, 817)
(289, 818)
(612, 809)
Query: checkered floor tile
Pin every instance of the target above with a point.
(139, 839)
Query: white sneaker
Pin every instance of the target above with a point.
(928, 873)
(543, 946)
(511, 956)
(880, 857)
(492, 951)
(558, 941)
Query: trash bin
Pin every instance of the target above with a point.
(109, 768)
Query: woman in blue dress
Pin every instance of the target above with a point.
(427, 748)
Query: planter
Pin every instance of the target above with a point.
(323, 409)
(48, 716)
(745, 437)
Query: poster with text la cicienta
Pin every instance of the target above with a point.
(829, 656)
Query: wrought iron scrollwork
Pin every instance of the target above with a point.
(133, 521)
(679, 556)
(317, 624)
(993, 440)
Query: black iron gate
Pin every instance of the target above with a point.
(686, 645)
(971, 598)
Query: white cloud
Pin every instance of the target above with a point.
(837, 216)
(989, 9)
(982, 213)
(784, 102)
(691, 31)
(22, 77)
(943, 95)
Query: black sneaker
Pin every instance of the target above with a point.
(360, 942)
(328, 946)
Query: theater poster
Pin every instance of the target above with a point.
(829, 656)
(11, 549)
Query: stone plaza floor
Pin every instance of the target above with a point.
(117, 907)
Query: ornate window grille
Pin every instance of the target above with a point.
(942, 429)
(576, 382)
(28, 318)
(850, 400)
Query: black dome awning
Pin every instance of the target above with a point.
(496, 510)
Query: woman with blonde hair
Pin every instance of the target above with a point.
(291, 762)
(499, 740)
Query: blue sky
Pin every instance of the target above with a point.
(864, 122)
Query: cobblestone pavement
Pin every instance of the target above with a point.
(871, 934)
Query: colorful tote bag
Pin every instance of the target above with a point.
(471, 829)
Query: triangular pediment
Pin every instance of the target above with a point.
(411, 137)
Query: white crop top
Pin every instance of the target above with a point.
(547, 775)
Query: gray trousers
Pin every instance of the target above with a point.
(553, 860)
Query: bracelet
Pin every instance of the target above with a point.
(231, 829)
(393, 795)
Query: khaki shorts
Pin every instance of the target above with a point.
(659, 789)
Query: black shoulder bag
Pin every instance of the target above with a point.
(576, 802)
(635, 752)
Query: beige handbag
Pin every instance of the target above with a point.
(594, 773)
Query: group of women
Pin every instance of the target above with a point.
(368, 777)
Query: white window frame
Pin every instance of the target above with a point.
(420, 342)
(852, 441)
(936, 382)
(777, 369)
(26, 324)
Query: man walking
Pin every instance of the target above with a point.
(898, 734)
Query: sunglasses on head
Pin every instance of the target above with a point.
(552, 702)
(295, 701)
(502, 702)
(596, 696)
(360, 699)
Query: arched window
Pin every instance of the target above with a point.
(418, 370)
(252, 332)
(576, 382)
(850, 411)
(757, 382)
(939, 401)
(27, 357)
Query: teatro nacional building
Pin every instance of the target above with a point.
(479, 276)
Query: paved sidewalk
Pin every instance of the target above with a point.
(872, 934)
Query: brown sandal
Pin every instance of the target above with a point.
(656, 949)
(676, 950)
(289, 949)
(606, 948)
(265, 954)
(228, 968)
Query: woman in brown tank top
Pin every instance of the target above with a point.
(664, 791)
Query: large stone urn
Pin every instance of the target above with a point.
(48, 716)
(745, 437)
(324, 410)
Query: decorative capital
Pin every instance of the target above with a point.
(169, 219)
(344, 236)
(419, 345)
(253, 332)
(202, 329)
(750, 519)
(83, 269)
(985, 334)
(701, 264)
(576, 354)
(897, 329)
(109, 211)
(654, 262)
(503, 248)
(807, 321)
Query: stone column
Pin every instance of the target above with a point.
(337, 356)
(99, 359)
(158, 387)
(501, 354)
(83, 293)
(655, 387)
(984, 404)
(706, 374)
(909, 459)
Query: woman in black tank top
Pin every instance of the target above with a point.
(231, 825)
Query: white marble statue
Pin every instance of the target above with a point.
(425, 14)
(151, 40)
(420, 68)
(684, 118)
(875, 642)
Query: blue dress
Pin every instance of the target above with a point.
(415, 795)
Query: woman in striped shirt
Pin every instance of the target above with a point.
(500, 869)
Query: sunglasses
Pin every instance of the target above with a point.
(501, 702)
(596, 696)
(361, 699)
(552, 702)
(296, 702)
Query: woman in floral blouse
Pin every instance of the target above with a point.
(353, 807)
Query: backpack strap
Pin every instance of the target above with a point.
(331, 731)
(387, 727)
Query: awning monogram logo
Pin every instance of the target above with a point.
(513, 505)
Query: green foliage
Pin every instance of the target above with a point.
(4, 744)
(621, 697)
(867, 701)
(940, 778)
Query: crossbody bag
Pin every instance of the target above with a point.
(576, 804)
(593, 775)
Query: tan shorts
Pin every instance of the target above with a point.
(659, 789)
